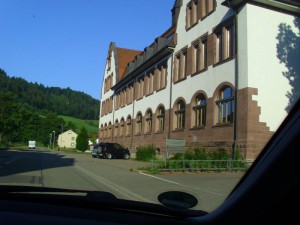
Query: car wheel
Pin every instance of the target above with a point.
(109, 156)
(126, 156)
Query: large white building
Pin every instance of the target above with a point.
(212, 79)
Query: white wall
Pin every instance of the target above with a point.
(214, 76)
(259, 66)
(109, 117)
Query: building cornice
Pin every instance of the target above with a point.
(286, 6)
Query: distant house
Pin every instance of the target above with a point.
(67, 139)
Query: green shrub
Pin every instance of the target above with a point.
(146, 153)
(200, 154)
(177, 156)
(221, 154)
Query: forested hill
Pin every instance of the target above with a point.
(37, 97)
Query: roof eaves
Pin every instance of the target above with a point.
(287, 6)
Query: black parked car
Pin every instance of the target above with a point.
(111, 151)
(94, 152)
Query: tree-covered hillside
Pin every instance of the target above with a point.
(37, 97)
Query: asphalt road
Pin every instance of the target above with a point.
(120, 177)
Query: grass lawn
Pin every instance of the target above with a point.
(90, 125)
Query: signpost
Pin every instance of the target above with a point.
(174, 145)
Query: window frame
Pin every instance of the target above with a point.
(149, 117)
(222, 104)
(180, 115)
(224, 41)
(160, 119)
(139, 123)
(200, 111)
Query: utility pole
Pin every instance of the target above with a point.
(61, 136)
(53, 139)
(50, 142)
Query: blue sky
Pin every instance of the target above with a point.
(64, 43)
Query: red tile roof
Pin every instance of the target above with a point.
(124, 57)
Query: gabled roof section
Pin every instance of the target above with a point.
(160, 48)
(124, 57)
(132, 62)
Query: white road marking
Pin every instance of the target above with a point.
(9, 162)
(111, 185)
(158, 178)
(183, 185)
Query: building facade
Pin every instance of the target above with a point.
(67, 140)
(206, 80)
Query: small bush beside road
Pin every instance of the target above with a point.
(146, 153)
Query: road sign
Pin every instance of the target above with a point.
(175, 145)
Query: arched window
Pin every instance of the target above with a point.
(109, 129)
(180, 115)
(128, 126)
(139, 120)
(105, 130)
(161, 119)
(199, 111)
(122, 124)
(116, 131)
(225, 103)
(101, 131)
(148, 122)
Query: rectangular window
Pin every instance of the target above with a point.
(195, 57)
(102, 109)
(210, 6)
(191, 13)
(109, 131)
(116, 130)
(183, 64)
(219, 47)
(139, 125)
(151, 81)
(140, 89)
(188, 15)
(148, 125)
(146, 82)
(224, 42)
(180, 120)
(180, 67)
(206, 7)
(128, 127)
(160, 124)
(200, 116)
(229, 38)
(157, 75)
(163, 76)
(176, 67)
(122, 129)
(203, 53)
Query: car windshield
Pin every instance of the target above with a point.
(190, 90)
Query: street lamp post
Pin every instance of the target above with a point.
(61, 136)
(50, 142)
(53, 139)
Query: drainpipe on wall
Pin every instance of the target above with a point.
(171, 49)
(133, 104)
(171, 80)
(113, 120)
(235, 126)
(99, 126)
